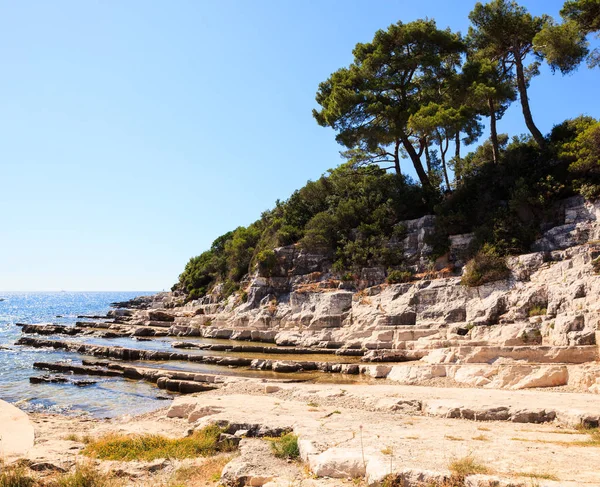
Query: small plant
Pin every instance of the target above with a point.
(537, 311)
(596, 265)
(208, 322)
(399, 276)
(481, 438)
(286, 446)
(486, 266)
(348, 276)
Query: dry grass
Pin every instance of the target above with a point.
(206, 473)
(593, 439)
(483, 428)
(85, 439)
(468, 465)
(204, 442)
(453, 438)
(15, 477)
(84, 475)
(537, 475)
(481, 438)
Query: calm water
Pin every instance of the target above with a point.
(109, 397)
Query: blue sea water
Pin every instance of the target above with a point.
(109, 397)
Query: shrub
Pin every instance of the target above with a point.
(286, 446)
(486, 266)
(204, 442)
(267, 261)
(399, 276)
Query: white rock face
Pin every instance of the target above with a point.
(338, 463)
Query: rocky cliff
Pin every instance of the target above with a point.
(526, 331)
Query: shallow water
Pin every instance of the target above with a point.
(109, 397)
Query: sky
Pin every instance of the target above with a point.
(134, 133)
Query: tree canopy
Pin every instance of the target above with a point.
(370, 102)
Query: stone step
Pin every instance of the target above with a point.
(171, 380)
(582, 377)
(539, 354)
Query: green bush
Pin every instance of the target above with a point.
(286, 446)
(399, 276)
(267, 261)
(486, 266)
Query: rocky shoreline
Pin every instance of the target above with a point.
(375, 379)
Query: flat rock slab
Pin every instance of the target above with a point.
(16, 431)
(343, 433)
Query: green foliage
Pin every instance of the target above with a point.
(399, 276)
(577, 142)
(503, 31)
(563, 46)
(266, 260)
(586, 13)
(486, 266)
(480, 157)
(286, 446)
(369, 103)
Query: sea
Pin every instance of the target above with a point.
(109, 397)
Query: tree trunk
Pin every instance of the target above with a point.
(457, 147)
(428, 159)
(443, 155)
(414, 157)
(493, 131)
(397, 158)
(522, 86)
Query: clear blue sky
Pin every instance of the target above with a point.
(135, 132)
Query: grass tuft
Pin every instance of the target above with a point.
(467, 466)
(204, 442)
(209, 471)
(285, 446)
(84, 475)
(537, 475)
(15, 477)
